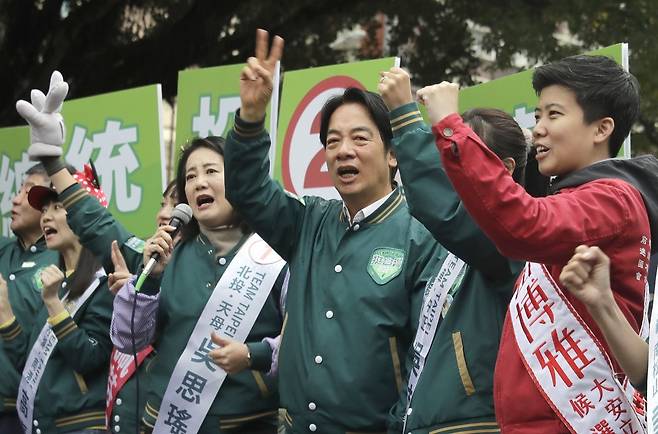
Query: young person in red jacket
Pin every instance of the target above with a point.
(553, 374)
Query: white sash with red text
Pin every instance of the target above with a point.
(40, 353)
(122, 367)
(565, 360)
(231, 312)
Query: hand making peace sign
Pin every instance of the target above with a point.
(256, 78)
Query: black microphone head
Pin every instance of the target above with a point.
(182, 212)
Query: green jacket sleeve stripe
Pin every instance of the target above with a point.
(406, 119)
(65, 327)
(11, 331)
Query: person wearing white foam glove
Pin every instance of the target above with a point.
(47, 131)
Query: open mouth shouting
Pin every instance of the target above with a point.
(204, 201)
(48, 232)
(347, 173)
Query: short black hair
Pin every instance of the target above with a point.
(374, 105)
(216, 144)
(602, 89)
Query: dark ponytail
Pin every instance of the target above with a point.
(503, 135)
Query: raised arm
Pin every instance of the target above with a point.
(96, 226)
(430, 195)
(90, 221)
(275, 215)
(521, 226)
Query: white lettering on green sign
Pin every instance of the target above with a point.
(206, 123)
(115, 161)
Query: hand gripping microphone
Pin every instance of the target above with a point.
(179, 218)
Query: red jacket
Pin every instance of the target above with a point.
(609, 213)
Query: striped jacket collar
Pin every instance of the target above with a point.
(378, 211)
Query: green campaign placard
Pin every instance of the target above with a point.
(300, 163)
(13, 164)
(207, 100)
(121, 133)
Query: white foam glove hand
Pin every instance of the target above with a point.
(43, 115)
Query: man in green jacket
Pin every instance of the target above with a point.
(358, 266)
(21, 261)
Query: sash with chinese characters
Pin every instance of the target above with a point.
(565, 360)
(433, 301)
(40, 353)
(231, 312)
(122, 367)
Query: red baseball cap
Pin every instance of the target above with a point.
(40, 195)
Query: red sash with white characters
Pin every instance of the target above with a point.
(122, 367)
(566, 360)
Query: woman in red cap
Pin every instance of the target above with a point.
(65, 355)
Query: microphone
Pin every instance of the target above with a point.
(179, 218)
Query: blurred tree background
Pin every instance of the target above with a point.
(102, 46)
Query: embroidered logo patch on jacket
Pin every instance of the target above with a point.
(135, 244)
(385, 263)
(36, 280)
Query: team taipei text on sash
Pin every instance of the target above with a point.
(38, 358)
(231, 312)
(566, 361)
(122, 367)
(433, 301)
